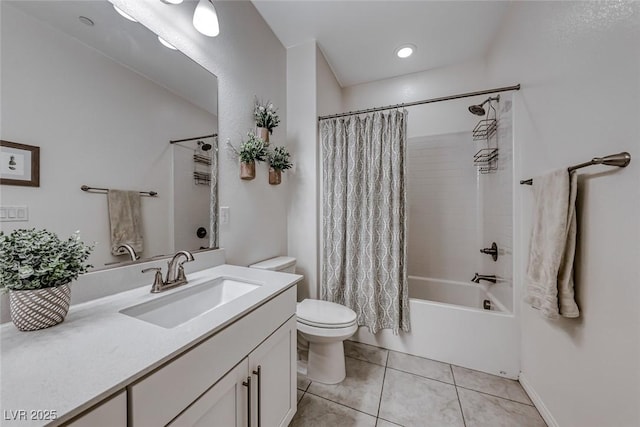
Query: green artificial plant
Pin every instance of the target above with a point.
(253, 149)
(37, 259)
(279, 159)
(266, 115)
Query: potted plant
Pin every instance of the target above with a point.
(266, 119)
(36, 268)
(278, 162)
(251, 150)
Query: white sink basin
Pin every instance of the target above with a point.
(180, 307)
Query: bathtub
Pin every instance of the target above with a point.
(449, 323)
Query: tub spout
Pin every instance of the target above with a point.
(478, 277)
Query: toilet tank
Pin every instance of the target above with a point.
(284, 264)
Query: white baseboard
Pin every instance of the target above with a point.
(537, 401)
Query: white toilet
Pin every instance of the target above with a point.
(322, 325)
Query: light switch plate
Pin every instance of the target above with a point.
(14, 213)
(224, 215)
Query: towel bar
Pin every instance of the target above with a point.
(95, 189)
(621, 160)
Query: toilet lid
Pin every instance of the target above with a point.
(326, 314)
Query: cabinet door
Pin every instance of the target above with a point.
(112, 413)
(223, 405)
(275, 386)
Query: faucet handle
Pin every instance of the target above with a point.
(157, 280)
(181, 276)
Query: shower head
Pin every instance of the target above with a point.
(204, 146)
(479, 110)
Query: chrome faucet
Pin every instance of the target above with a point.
(478, 277)
(175, 273)
(128, 248)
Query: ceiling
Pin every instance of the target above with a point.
(129, 43)
(359, 37)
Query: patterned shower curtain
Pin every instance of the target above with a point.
(364, 218)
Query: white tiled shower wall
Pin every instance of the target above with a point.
(454, 211)
(443, 209)
(496, 198)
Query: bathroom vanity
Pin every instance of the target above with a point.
(111, 363)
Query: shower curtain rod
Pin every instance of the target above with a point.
(425, 101)
(213, 135)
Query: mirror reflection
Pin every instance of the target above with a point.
(103, 98)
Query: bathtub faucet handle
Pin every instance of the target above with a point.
(489, 278)
(493, 251)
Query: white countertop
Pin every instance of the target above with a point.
(97, 351)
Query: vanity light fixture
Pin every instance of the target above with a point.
(166, 43)
(405, 51)
(124, 14)
(205, 19)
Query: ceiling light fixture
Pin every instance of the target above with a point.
(124, 14)
(166, 43)
(171, 1)
(405, 51)
(205, 19)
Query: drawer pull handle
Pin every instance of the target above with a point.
(258, 372)
(247, 384)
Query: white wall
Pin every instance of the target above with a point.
(312, 90)
(301, 139)
(428, 119)
(579, 66)
(249, 61)
(329, 101)
(96, 123)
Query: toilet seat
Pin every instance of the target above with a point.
(324, 314)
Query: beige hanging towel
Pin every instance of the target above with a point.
(549, 277)
(125, 219)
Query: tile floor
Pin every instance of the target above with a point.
(385, 388)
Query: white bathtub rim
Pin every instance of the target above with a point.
(502, 309)
(462, 307)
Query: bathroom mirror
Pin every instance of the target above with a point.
(103, 98)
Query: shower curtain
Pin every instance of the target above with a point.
(364, 218)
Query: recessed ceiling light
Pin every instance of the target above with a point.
(124, 14)
(166, 43)
(171, 1)
(405, 51)
(86, 21)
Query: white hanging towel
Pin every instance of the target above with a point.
(549, 277)
(125, 220)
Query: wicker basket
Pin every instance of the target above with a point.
(39, 308)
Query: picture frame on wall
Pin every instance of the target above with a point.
(19, 164)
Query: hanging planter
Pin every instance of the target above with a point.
(248, 170)
(278, 162)
(263, 133)
(275, 176)
(267, 119)
(37, 268)
(251, 151)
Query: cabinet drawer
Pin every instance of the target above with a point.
(158, 398)
(112, 413)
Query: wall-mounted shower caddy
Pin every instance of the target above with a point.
(202, 157)
(486, 159)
